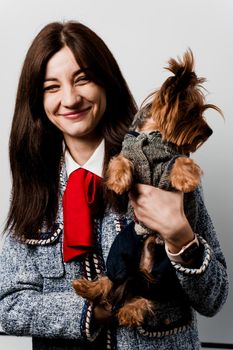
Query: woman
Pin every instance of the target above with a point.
(72, 110)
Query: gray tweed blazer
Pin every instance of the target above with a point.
(37, 298)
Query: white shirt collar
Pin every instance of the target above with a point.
(94, 164)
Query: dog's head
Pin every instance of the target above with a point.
(178, 107)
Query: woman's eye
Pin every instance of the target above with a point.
(51, 88)
(81, 80)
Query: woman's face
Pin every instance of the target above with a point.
(72, 102)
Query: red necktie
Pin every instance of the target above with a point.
(78, 201)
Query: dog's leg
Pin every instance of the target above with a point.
(119, 174)
(185, 175)
(132, 314)
(148, 256)
(92, 290)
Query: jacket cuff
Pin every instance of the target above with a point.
(203, 266)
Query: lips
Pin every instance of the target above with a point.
(76, 113)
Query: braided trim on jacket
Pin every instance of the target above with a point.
(86, 323)
(91, 267)
(47, 238)
(159, 334)
(205, 264)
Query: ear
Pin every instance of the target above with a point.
(200, 136)
(189, 135)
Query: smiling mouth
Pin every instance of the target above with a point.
(76, 113)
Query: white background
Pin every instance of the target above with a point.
(142, 35)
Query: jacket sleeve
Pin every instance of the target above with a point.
(24, 308)
(206, 286)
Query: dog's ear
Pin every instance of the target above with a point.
(193, 136)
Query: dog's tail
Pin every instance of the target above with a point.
(180, 103)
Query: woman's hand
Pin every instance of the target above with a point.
(162, 211)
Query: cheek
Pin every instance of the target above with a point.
(46, 104)
(96, 95)
(100, 101)
(49, 105)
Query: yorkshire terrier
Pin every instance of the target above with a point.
(155, 152)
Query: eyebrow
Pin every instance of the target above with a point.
(77, 72)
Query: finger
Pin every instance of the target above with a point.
(139, 193)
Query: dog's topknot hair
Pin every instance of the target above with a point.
(184, 75)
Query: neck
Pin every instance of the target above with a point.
(82, 149)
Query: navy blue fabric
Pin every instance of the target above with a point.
(123, 265)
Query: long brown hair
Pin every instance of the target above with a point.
(36, 144)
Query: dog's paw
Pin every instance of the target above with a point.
(92, 290)
(185, 175)
(84, 288)
(119, 174)
(132, 314)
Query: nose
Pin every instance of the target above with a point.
(70, 97)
